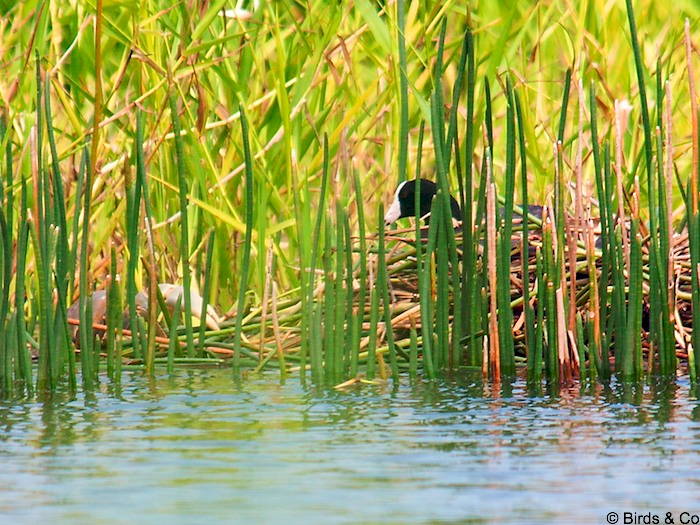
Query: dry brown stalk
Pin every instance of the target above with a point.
(159, 339)
(494, 349)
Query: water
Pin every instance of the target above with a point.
(197, 448)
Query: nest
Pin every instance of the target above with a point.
(404, 282)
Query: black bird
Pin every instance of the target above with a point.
(404, 204)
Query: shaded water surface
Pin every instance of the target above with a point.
(199, 448)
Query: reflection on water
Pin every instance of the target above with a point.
(198, 447)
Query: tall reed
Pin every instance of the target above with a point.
(245, 261)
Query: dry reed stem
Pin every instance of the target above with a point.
(494, 349)
(276, 322)
(165, 341)
(566, 346)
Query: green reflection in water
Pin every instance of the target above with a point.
(198, 447)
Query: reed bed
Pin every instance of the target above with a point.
(159, 146)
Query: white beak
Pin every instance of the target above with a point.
(394, 211)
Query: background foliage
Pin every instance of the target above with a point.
(301, 69)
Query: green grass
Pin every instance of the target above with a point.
(170, 145)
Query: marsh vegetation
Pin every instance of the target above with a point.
(247, 155)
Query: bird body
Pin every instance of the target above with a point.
(172, 293)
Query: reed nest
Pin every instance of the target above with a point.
(404, 285)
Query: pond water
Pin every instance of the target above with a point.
(200, 448)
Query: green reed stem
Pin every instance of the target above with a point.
(413, 354)
(469, 272)
(525, 235)
(23, 357)
(150, 261)
(63, 272)
(243, 283)
(133, 212)
(505, 312)
(373, 328)
(114, 321)
(329, 348)
(183, 177)
(314, 255)
(426, 300)
(403, 92)
(47, 371)
(656, 297)
(352, 321)
(340, 295)
(85, 299)
(534, 357)
(551, 271)
(173, 339)
(383, 283)
(362, 293)
(632, 350)
(206, 292)
(667, 344)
